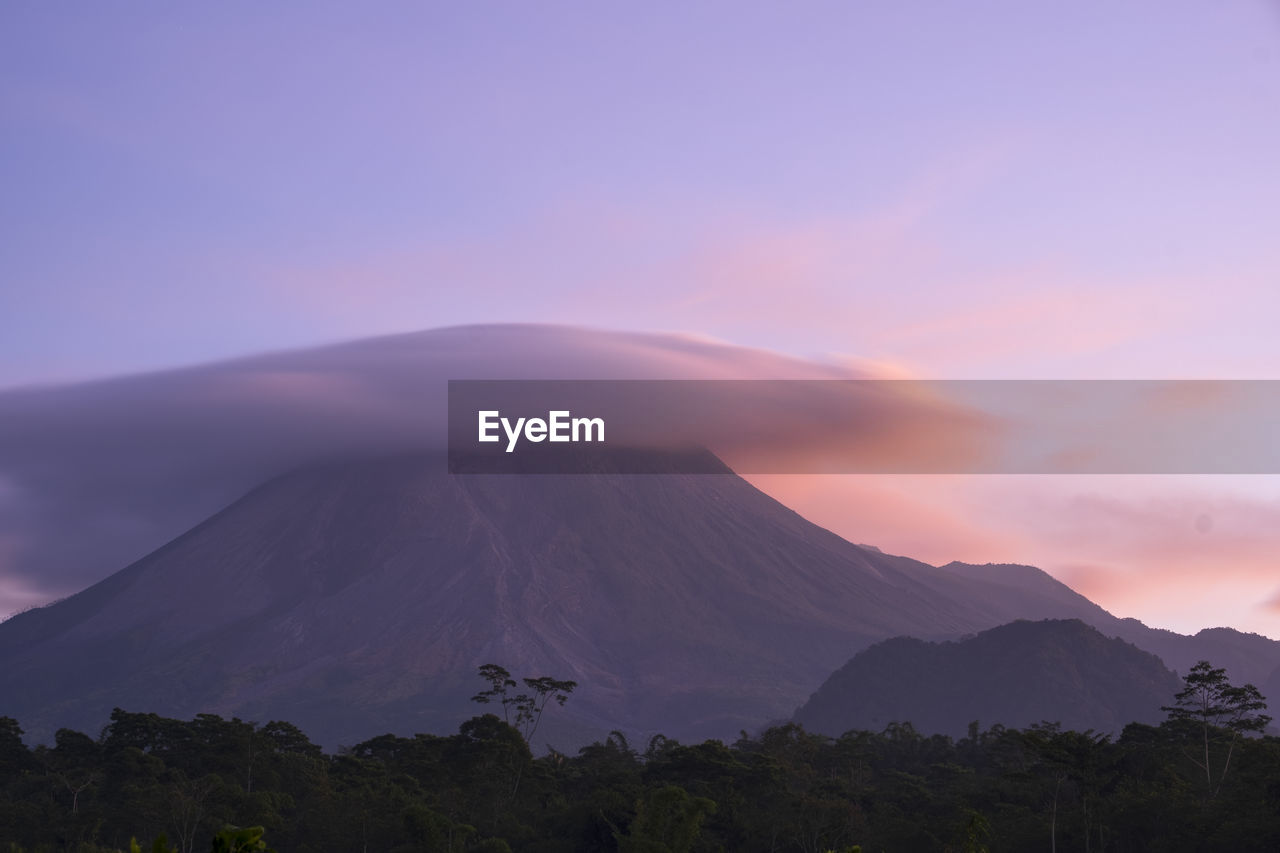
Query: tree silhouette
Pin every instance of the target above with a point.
(1215, 711)
(528, 707)
(499, 679)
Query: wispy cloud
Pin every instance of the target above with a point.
(129, 463)
(1178, 552)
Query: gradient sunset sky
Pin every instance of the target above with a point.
(987, 190)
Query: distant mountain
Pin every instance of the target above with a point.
(1270, 688)
(1018, 674)
(1247, 657)
(360, 597)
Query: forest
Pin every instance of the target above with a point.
(1208, 778)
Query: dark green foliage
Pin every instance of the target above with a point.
(233, 839)
(667, 821)
(785, 789)
(160, 845)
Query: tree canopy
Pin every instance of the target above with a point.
(152, 783)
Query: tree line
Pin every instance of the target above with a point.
(1208, 778)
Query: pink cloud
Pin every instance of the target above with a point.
(1179, 552)
(882, 284)
(919, 516)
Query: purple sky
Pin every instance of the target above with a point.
(978, 189)
(981, 190)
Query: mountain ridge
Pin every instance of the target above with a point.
(359, 596)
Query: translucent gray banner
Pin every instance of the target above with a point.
(864, 426)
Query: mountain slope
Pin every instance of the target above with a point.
(1016, 674)
(359, 597)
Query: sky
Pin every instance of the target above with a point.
(982, 190)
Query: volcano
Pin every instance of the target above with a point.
(359, 597)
